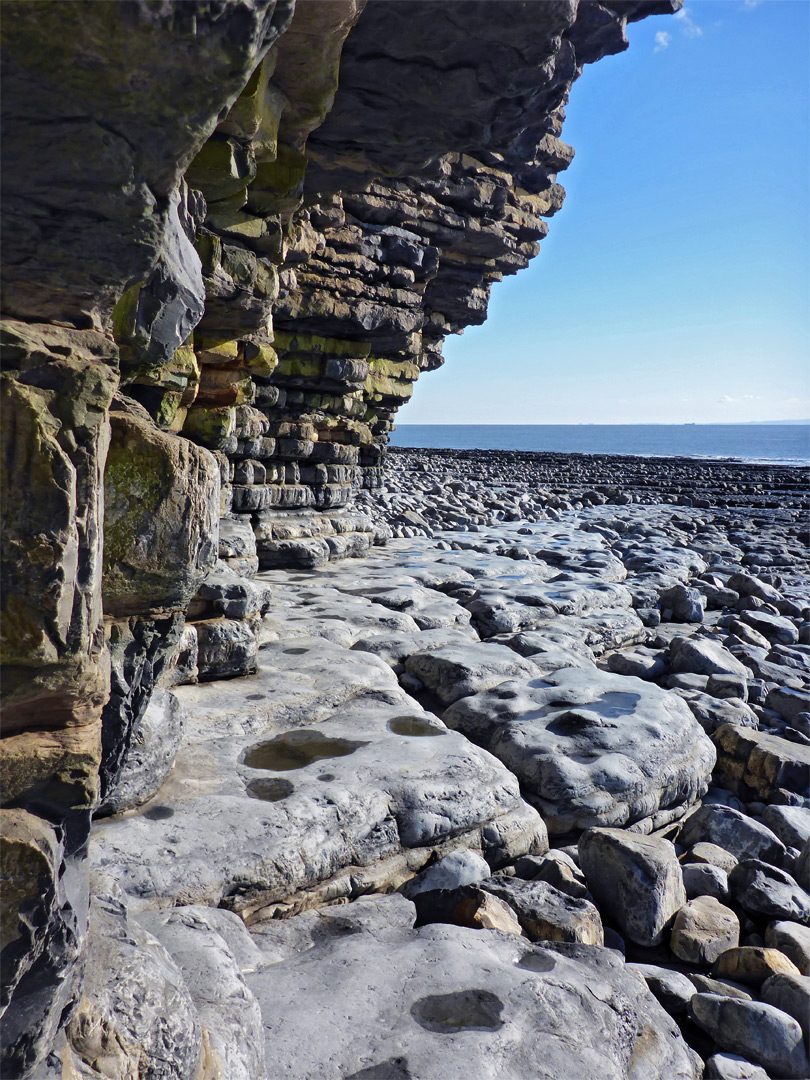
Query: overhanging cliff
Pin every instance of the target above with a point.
(234, 235)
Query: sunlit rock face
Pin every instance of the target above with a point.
(367, 209)
(235, 234)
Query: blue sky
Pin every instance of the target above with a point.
(674, 285)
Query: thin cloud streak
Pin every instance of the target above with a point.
(689, 28)
(662, 40)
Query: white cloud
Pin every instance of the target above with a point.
(726, 399)
(689, 28)
(751, 3)
(662, 40)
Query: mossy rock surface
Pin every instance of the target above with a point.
(161, 520)
(287, 341)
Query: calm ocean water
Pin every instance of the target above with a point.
(786, 443)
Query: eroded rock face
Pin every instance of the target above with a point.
(370, 226)
(176, 177)
(57, 389)
(161, 497)
(144, 1019)
(89, 113)
(44, 883)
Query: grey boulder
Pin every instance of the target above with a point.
(296, 817)
(454, 870)
(590, 747)
(790, 823)
(547, 913)
(732, 1067)
(703, 879)
(701, 656)
(672, 988)
(737, 833)
(635, 879)
(764, 1035)
(791, 994)
(793, 940)
(765, 891)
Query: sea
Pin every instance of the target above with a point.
(787, 444)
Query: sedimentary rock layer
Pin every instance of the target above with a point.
(235, 234)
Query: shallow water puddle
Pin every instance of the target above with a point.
(615, 703)
(465, 1010)
(270, 789)
(296, 750)
(414, 726)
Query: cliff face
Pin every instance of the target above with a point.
(234, 236)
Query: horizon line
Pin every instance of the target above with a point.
(649, 423)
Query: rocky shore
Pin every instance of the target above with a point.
(523, 793)
(317, 765)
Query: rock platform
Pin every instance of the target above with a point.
(419, 723)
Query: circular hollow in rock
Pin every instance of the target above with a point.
(270, 789)
(478, 1010)
(414, 726)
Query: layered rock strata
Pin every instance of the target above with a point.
(178, 178)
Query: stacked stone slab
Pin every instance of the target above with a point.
(343, 235)
(176, 177)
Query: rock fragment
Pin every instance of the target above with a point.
(704, 929)
(636, 880)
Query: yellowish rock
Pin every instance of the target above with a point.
(703, 930)
(483, 911)
(752, 964)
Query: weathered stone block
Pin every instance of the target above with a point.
(41, 937)
(161, 518)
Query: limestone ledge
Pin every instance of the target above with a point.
(228, 258)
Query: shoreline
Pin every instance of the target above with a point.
(793, 463)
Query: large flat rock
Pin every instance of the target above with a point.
(455, 1003)
(300, 681)
(292, 790)
(501, 607)
(592, 748)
